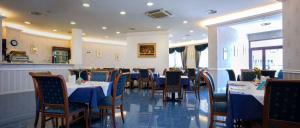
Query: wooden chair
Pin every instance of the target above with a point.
(54, 100)
(281, 104)
(143, 78)
(220, 97)
(191, 72)
(152, 69)
(83, 75)
(216, 108)
(247, 75)
(100, 76)
(172, 83)
(116, 100)
(164, 72)
(153, 85)
(129, 80)
(135, 69)
(37, 99)
(231, 74)
(269, 73)
(113, 75)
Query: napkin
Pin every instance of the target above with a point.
(261, 85)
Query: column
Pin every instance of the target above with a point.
(1, 26)
(291, 39)
(76, 47)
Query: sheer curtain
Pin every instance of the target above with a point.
(179, 54)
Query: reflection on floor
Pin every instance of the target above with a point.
(143, 111)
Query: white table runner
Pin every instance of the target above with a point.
(71, 87)
(248, 88)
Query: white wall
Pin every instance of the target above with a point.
(108, 55)
(226, 37)
(26, 41)
(161, 61)
(291, 38)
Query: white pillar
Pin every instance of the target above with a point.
(1, 26)
(76, 47)
(291, 38)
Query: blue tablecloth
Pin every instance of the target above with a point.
(136, 75)
(242, 107)
(90, 95)
(161, 81)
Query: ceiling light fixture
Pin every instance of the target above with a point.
(158, 27)
(86, 5)
(242, 14)
(265, 24)
(149, 4)
(83, 34)
(118, 32)
(27, 22)
(211, 11)
(191, 31)
(72, 22)
(123, 13)
(185, 22)
(54, 30)
(171, 35)
(104, 28)
(106, 37)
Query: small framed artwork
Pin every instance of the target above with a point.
(225, 53)
(98, 53)
(147, 50)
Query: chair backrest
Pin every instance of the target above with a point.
(99, 76)
(109, 69)
(231, 74)
(247, 75)
(199, 78)
(209, 86)
(119, 85)
(269, 73)
(124, 70)
(144, 73)
(151, 69)
(83, 75)
(113, 75)
(164, 72)
(135, 69)
(280, 75)
(211, 80)
(281, 104)
(35, 84)
(52, 91)
(191, 73)
(173, 78)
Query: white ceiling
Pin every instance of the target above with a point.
(255, 25)
(59, 13)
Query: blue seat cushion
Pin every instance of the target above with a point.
(222, 97)
(107, 101)
(72, 108)
(220, 107)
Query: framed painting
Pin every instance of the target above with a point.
(147, 50)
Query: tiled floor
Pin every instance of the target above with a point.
(143, 111)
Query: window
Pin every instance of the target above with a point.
(175, 60)
(203, 59)
(266, 54)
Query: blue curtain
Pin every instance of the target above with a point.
(198, 50)
(178, 49)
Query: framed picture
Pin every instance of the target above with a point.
(147, 50)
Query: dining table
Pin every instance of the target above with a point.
(245, 102)
(89, 92)
(185, 82)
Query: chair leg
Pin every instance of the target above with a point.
(36, 120)
(113, 116)
(86, 118)
(43, 121)
(56, 122)
(67, 122)
(122, 115)
(62, 122)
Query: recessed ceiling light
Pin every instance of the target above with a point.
(118, 32)
(54, 30)
(150, 4)
(83, 34)
(265, 24)
(191, 31)
(106, 37)
(185, 22)
(211, 11)
(104, 28)
(27, 22)
(171, 35)
(123, 13)
(203, 35)
(158, 27)
(86, 5)
(72, 22)
(183, 38)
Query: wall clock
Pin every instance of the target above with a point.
(13, 43)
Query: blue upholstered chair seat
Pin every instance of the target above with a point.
(107, 101)
(73, 107)
(220, 97)
(220, 107)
